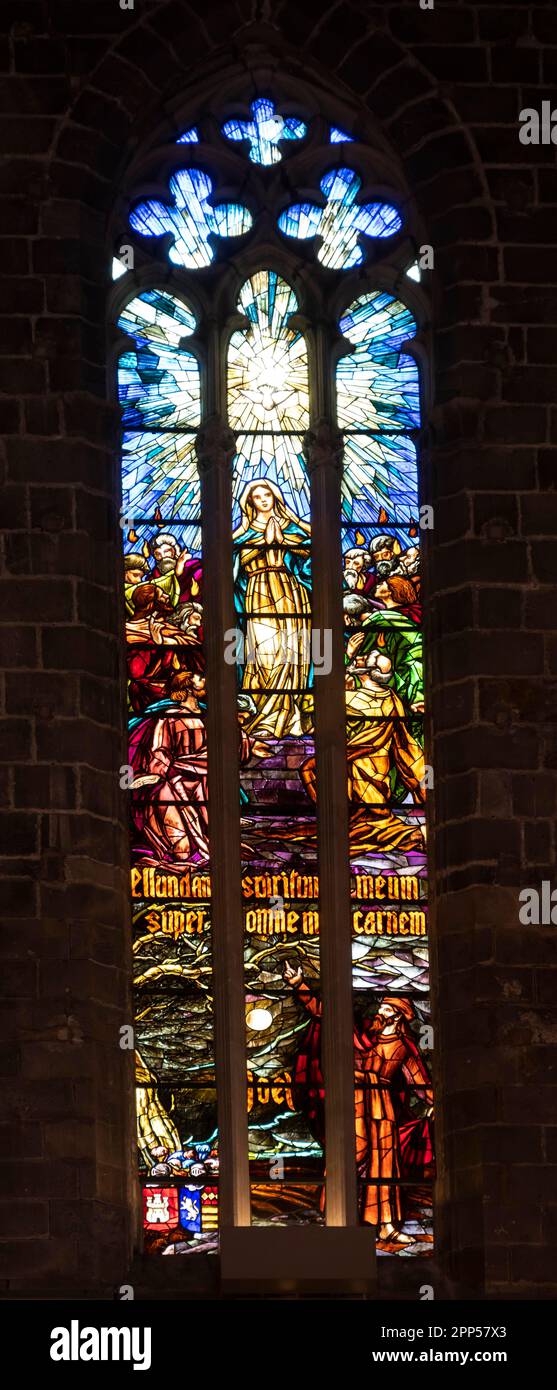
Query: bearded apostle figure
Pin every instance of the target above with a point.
(381, 755)
(391, 1145)
(168, 755)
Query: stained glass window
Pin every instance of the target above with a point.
(159, 392)
(268, 404)
(339, 137)
(190, 218)
(250, 345)
(378, 407)
(339, 220)
(413, 271)
(189, 137)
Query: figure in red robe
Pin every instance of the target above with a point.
(391, 1145)
(160, 641)
(168, 754)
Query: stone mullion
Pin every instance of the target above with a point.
(323, 450)
(215, 451)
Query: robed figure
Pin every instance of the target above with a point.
(168, 754)
(392, 1144)
(272, 579)
(384, 762)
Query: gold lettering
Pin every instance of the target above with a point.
(201, 886)
(135, 881)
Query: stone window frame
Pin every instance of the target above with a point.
(323, 295)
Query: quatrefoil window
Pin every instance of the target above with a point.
(341, 221)
(264, 131)
(190, 218)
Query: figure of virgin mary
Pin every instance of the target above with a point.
(272, 578)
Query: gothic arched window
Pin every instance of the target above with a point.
(266, 310)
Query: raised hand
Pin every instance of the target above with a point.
(354, 643)
(292, 977)
(181, 562)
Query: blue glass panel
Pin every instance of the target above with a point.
(380, 322)
(265, 131)
(341, 221)
(189, 137)
(380, 481)
(158, 383)
(159, 472)
(190, 219)
(378, 403)
(377, 385)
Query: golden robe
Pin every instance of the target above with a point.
(278, 635)
(378, 738)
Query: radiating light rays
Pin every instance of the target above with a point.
(378, 410)
(267, 363)
(377, 384)
(264, 132)
(268, 388)
(190, 218)
(268, 384)
(268, 406)
(341, 221)
(375, 396)
(155, 392)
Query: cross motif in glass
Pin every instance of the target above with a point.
(190, 218)
(264, 131)
(341, 221)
